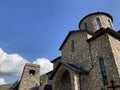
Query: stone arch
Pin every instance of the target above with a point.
(84, 84)
(63, 80)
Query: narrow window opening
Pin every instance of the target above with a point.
(110, 23)
(103, 70)
(85, 26)
(98, 23)
(32, 72)
(72, 45)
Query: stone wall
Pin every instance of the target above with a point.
(92, 24)
(56, 62)
(80, 56)
(101, 47)
(115, 45)
(30, 80)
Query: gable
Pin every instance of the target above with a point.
(71, 34)
(56, 61)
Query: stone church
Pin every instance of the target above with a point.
(90, 56)
(90, 59)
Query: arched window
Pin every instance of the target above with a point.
(72, 45)
(86, 26)
(103, 70)
(65, 80)
(65, 77)
(32, 72)
(98, 23)
(110, 23)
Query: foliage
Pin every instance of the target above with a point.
(5, 86)
(44, 79)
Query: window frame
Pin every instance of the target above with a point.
(72, 45)
(98, 23)
(110, 23)
(103, 71)
(86, 27)
(31, 72)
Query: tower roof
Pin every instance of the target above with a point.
(103, 13)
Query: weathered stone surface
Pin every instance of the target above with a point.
(92, 23)
(76, 50)
(115, 46)
(101, 47)
(80, 45)
(30, 79)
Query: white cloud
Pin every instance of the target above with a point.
(2, 81)
(45, 65)
(11, 64)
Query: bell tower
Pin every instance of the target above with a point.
(30, 79)
(95, 21)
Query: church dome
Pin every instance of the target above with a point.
(95, 21)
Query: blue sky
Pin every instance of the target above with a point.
(36, 28)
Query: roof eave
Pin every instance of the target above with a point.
(103, 31)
